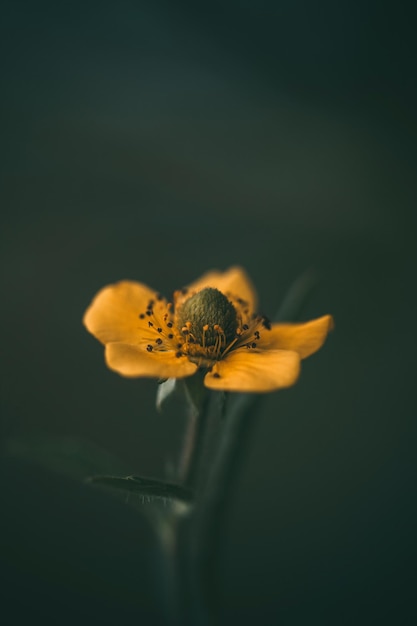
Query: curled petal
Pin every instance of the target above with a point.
(135, 362)
(113, 315)
(234, 280)
(254, 371)
(304, 338)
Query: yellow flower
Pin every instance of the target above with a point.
(211, 325)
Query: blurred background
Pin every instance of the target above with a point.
(156, 141)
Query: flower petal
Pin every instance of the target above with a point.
(134, 362)
(234, 280)
(304, 338)
(113, 314)
(254, 371)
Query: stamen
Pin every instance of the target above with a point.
(159, 321)
(226, 350)
(220, 341)
(266, 323)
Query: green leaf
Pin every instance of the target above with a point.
(297, 296)
(70, 456)
(146, 487)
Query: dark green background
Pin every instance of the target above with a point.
(155, 141)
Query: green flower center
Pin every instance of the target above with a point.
(206, 315)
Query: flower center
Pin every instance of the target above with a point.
(208, 318)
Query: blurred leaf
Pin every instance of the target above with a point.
(146, 487)
(72, 457)
(297, 296)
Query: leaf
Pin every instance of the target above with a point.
(70, 456)
(146, 487)
(297, 296)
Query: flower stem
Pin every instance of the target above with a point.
(211, 508)
(189, 610)
(206, 532)
(197, 405)
(198, 535)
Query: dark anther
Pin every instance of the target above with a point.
(159, 296)
(159, 330)
(178, 354)
(149, 312)
(253, 345)
(149, 348)
(245, 327)
(150, 324)
(170, 336)
(142, 316)
(257, 334)
(179, 345)
(216, 375)
(158, 341)
(150, 304)
(266, 323)
(169, 324)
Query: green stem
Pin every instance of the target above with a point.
(186, 612)
(211, 508)
(212, 504)
(197, 403)
(197, 536)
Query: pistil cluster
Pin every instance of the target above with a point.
(204, 327)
